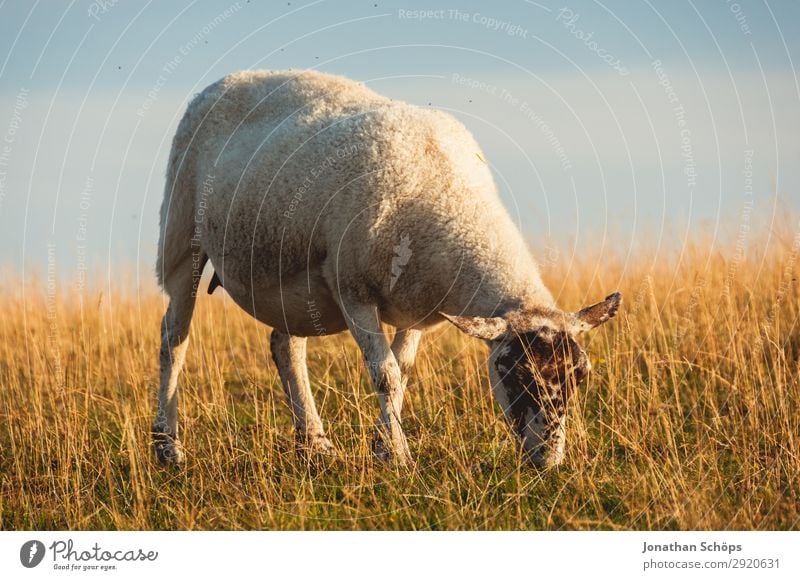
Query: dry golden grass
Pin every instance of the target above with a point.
(691, 419)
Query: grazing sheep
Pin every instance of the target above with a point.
(324, 206)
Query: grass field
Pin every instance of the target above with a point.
(690, 419)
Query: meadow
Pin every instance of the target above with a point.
(689, 420)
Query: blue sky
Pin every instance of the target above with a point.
(641, 122)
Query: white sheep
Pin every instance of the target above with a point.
(324, 206)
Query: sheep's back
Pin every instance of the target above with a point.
(313, 167)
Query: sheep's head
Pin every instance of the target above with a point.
(535, 365)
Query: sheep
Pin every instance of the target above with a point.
(323, 207)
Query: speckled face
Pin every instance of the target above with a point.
(535, 364)
(533, 375)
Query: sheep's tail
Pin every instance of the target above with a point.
(177, 208)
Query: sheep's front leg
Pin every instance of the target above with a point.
(404, 348)
(390, 441)
(289, 354)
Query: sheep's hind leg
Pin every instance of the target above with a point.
(180, 286)
(289, 354)
(389, 442)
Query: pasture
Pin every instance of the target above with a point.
(690, 418)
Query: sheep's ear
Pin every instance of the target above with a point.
(485, 328)
(596, 314)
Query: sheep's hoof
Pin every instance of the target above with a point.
(168, 450)
(314, 445)
(400, 456)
